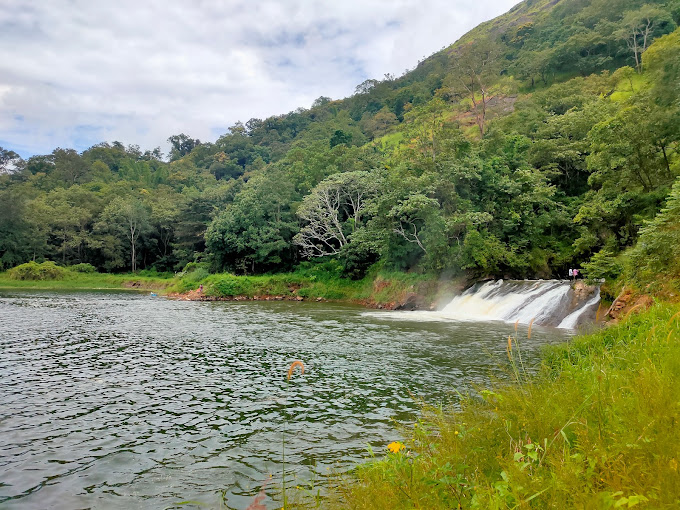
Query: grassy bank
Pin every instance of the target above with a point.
(598, 428)
(319, 281)
(93, 281)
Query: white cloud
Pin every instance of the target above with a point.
(74, 73)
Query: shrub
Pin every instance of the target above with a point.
(229, 285)
(48, 270)
(83, 268)
(603, 264)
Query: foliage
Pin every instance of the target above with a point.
(603, 265)
(655, 255)
(47, 270)
(83, 267)
(537, 142)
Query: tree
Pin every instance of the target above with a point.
(340, 137)
(638, 28)
(15, 229)
(366, 86)
(8, 160)
(321, 101)
(182, 145)
(126, 218)
(411, 215)
(662, 62)
(255, 232)
(69, 166)
(656, 250)
(377, 125)
(165, 212)
(475, 67)
(333, 211)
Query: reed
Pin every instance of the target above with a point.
(291, 371)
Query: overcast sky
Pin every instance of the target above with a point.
(75, 73)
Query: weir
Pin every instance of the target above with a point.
(546, 302)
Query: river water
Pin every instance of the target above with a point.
(120, 400)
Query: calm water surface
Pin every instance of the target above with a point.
(113, 400)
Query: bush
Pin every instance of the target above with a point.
(229, 285)
(48, 270)
(655, 256)
(603, 264)
(154, 273)
(83, 268)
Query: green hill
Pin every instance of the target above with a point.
(541, 140)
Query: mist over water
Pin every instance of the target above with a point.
(114, 400)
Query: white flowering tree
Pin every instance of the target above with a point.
(334, 210)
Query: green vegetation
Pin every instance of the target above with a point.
(541, 140)
(310, 281)
(50, 276)
(597, 428)
(31, 271)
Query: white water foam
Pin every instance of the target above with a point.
(572, 320)
(545, 302)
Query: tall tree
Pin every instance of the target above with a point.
(8, 160)
(638, 29)
(333, 211)
(127, 218)
(476, 67)
(182, 145)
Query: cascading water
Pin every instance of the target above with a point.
(546, 302)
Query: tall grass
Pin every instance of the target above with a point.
(598, 427)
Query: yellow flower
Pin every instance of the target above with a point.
(395, 447)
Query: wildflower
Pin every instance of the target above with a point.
(395, 447)
(456, 432)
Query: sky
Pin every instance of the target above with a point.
(74, 73)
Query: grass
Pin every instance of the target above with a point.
(90, 281)
(599, 427)
(316, 281)
(309, 281)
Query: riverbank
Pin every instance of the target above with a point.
(379, 290)
(91, 281)
(321, 282)
(597, 428)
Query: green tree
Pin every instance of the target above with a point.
(640, 26)
(182, 145)
(655, 253)
(475, 67)
(255, 232)
(126, 219)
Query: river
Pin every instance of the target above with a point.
(122, 400)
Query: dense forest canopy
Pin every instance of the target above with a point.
(544, 139)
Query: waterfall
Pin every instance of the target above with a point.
(547, 302)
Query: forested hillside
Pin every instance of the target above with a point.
(541, 140)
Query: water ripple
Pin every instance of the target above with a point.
(112, 400)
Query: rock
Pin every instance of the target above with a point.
(409, 303)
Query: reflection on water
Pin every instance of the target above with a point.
(112, 400)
